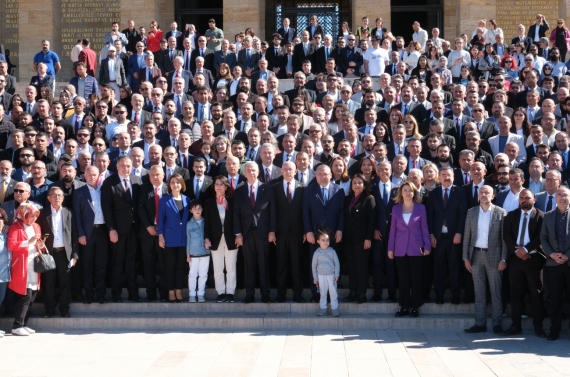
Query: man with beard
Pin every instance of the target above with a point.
(25, 170)
(343, 150)
(473, 143)
(502, 177)
(39, 183)
(327, 154)
(68, 183)
(7, 184)
(370, 103)
(101, 114)
(432, 141)
(57, 144)
(558, 67)
(169, 110)
(443, 157)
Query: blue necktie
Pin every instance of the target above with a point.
(325, 195)
(385, 195)
(247, 58)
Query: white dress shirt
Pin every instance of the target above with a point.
(146, 146)
(112, 69)
(511, 201)
(57, 227)
(482, 240)
(96, 205)
(291, 188)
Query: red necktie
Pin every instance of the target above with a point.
(156, 203)
(327, 117)
(136, 116)
(177, 74)
(99, 180)
(415, 164)
(232, 183)
(184, 161)
(252, 198)
(353, 151)
(267, 176)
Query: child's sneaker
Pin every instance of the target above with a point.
(192, 299)
(335, 313)
(322, 312)
(201, 299)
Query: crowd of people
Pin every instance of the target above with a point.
(402, 168)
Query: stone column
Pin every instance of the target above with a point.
(241, 14)
(373, 9)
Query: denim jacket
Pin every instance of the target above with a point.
(195, 237)
(5, 259)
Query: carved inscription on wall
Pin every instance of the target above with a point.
(511, 13)
(9, 18)
(85, 19)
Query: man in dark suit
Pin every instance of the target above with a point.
(263, 72)
(525, 262)
(522, 38)
(323, 206)
(255, 223)
(288, 195)
(153, 257)
(300, 80)
(323, 53)
(166, 57)
(437, 110)
(170, 157)
(303, 51)
(314, 27)
(204, 52)
(208, 77)
(57, 222)
(198, 187)
(370, 102)
(275, 53)
(248, 57)
(446, 210)
(542, 26)
(224, 56)
(118, 195)
(350, 58)
(93, 237)
(531, 83)
(179, 73)
(177, 34)
(288, 33)
(149, 73)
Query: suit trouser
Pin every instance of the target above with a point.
(383, 266)
(123, 254)
(410, 277)
(446, 256)
(76, 278)
(22, 308)
(557, 279)
(483, 271)
(255, 253)
(174, 263)
(357, 261)
(153, 264)
(289, 248)
(523, 274)
(427, 276)
(94, 262)
(61, 275)
(224, 257)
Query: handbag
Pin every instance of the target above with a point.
(43, 262)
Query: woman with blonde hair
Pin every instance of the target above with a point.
(411, 125)
(431, 176)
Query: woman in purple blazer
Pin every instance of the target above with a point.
(408, 242)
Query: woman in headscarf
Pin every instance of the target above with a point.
(24, 241)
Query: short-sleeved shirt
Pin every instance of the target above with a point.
(376, 60)
(49, 59)
(217, 34)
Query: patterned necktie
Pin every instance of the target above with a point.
(549, 204)
(523, 230)
(267, 175)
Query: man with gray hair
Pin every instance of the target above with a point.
(268, 173)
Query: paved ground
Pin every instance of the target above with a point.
(370, 353)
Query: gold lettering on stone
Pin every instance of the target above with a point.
(511, 13)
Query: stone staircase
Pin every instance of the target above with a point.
(158, 316)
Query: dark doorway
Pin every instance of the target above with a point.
(198, 12)
(429, 13)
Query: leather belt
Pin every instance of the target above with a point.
(58, 249)
(98, 225)
(480, 249)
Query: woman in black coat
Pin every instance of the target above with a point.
(219, 238)
(359, 225)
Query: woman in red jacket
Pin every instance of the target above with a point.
(154, 37)
(24, 240)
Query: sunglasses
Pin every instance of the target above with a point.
(101, 107)
(508, 61)
(26, 155)
(77, 103)
(161, 82)
(19, 191)
(98, 145)
(82, 135)
(476, 111)
(155, 94)
(30, 135)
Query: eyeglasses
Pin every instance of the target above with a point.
(55, 195)
(476, 111)
(30, 135)
(161, 81)
(314, 131)
(98, 145)
(26, 155)
(77, 103)
(82, 135)
(120, 112)
(19, 191)
(331, 80)
(351, 39)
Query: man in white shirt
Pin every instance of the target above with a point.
(375, 59)
(458, 58)
(112, 129)
(232, 167)
(149, 132)
(76, 119)
(304, 174)
(398, 168)
(509, 200)
(137, 157)
(253, 150)
(536, 183)
(420, 35)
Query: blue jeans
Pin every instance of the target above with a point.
(3, 287)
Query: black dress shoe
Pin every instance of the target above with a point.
(299, 299)
(415, 313)
(221, 298)
(117, 300)
(540, 333)
(65, 314)
(439, 300)
(392, 298)
(361, 299)
(248, 299)
(229, 298)
(280, 299)
(49, 314)
(265, 299)
(497, 329)
(455, 301)
(376, 298)
(512, 331)
(402, 313)
(350, 298)
(316, 298)
(135, 299)
(88, 301)
(101, 300)
(150, 299)
(552, 337)
(475, 329)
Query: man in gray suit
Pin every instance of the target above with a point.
(484, 256)
(57, 222)
(555, 239)
(112, 71)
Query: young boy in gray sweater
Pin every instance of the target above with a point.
(326, 270)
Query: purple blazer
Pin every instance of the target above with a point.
(407, 239)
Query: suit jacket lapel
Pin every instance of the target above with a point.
(49, 218)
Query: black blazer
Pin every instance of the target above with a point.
(543, 27)
(213, 230)
(381, 115)
(290, 219)
(383, 212)
(511, 231)
(360, 220)
(275, 173)
(205, 192)
(454, 214)
(344, 60)
(274, 60)
(208, 59)
(118, 210)
(165, 63)
(263, 213)
(318, 29)
(185, 173)
(145, 208)
(321, 60)
(289, 36)
(299, 56)
(69, 231)
(526, 40)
